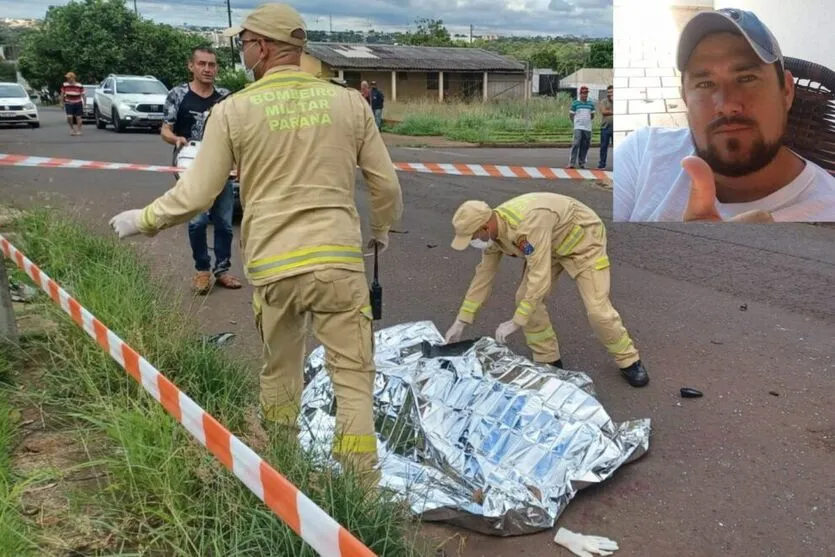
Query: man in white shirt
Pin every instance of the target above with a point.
(730, 164)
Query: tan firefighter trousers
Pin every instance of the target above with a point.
(604, 319)
(337, 303)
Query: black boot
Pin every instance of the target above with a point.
(558, 364)
(636, 374)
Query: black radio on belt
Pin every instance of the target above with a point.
(376, 291)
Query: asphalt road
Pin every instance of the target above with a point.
(738, 312)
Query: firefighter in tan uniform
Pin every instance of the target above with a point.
(297, 141)
(553, 233)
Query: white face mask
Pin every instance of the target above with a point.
(250, 72)
(478, 243)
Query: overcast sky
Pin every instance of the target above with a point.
(508, 17)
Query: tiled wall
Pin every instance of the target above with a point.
(646, 81)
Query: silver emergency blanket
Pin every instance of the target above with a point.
(485, 440)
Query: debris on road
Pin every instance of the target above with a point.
(743, 307)
(773, 393)
(22, 293)
(219, 339)
(472, 433)
(687, 392)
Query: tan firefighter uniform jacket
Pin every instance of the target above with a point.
(296, 141)
(547, 229)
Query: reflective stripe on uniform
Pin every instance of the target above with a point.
(354, 444)
(571, 241)
(470, 307)
(315, 255)
(538, 336)
(524, 308)
(147, 219)
(601, 263)
(366, 311)
(286, 78)
(510, 216)
(286, 413)
(619, 346)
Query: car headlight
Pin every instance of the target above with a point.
(128, 106)
(28, 106)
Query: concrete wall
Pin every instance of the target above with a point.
(647, 84)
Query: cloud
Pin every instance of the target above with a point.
(547, 17)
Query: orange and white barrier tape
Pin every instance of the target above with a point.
(503, 171)
(307, 519)
(454, 169)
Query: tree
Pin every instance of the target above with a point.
(430, 32)
(601, 54)
(94, 38)
(234, 80)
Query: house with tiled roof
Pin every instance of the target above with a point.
(420, 72)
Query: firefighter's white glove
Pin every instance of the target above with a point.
(379, 238)
(455, 332)
(505, 330)
(126, 223)
(585, 546)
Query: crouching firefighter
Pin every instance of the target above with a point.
(297, 141)
(552, 232)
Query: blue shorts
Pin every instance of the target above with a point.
(74, 109)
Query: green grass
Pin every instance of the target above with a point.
(165, 492)
(15, 534)
(539, 120)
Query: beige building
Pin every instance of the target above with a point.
(416, 72)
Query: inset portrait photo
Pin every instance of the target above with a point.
(723, 113)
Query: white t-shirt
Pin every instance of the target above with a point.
(651, 186)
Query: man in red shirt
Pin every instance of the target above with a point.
(72, 97)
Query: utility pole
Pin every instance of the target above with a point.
(330, 34)
(471, 33)
(135, 9)
(231, 39)
(8, 326)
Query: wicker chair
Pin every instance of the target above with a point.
(811, 126)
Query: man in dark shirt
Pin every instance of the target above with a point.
(377, 100)
(186, 109)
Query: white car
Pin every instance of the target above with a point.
(16, 107)
(130, 101)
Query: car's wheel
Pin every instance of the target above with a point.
(118, 124)
(34, 125)
(100, 124)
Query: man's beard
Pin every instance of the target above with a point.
(761, 154)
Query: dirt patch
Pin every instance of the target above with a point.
(8, 215)
(50, 457)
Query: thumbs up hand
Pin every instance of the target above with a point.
(701, 206)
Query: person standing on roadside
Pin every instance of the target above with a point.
(186, 109)
(377, 100)
(72, 98)
(582, 114)
(607, 126)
